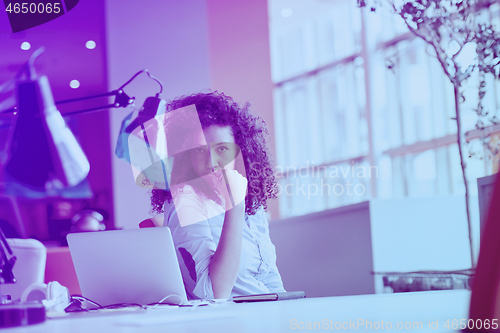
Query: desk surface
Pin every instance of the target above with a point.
(281, 316)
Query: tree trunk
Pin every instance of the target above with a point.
(456, 90)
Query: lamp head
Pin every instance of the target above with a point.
(141, 142)
(44, 154)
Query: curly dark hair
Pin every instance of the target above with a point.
(249, 132)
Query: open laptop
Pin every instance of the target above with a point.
(127, 266)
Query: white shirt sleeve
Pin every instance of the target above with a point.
(273, 279)
(193, 239)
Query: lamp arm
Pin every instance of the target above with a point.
(149, 74)
(121, 99)
(96, 109)
(6, 263)
(112, 93)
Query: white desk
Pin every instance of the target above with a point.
(281, 316)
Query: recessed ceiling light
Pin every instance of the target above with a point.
(287, 12)
(90, 45)
(25, 46)
(74, 84)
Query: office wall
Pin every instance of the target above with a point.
(240, 61)
(169, 38)
(190, 46)
(327, 253)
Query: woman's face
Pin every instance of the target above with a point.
(216, 150)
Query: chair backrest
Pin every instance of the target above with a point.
(147, 223)
(485, 298)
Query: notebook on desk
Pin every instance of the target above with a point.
(127, 266)
(270, 297)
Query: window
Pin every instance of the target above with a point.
(362, 109)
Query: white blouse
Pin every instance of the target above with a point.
(196, 244)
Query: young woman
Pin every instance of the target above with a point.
(221, 179)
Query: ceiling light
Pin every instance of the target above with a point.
(25, 46)
(74, 84)
(90, 45)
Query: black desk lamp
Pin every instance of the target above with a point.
(45, 159)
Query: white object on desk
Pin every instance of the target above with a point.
(53, 295)
(29, 268)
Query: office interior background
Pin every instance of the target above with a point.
(359, 112)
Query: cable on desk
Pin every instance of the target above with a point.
(200, 302)
(76, 305)
(154, 305)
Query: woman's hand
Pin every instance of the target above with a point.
(236, 187)
(231, 185)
